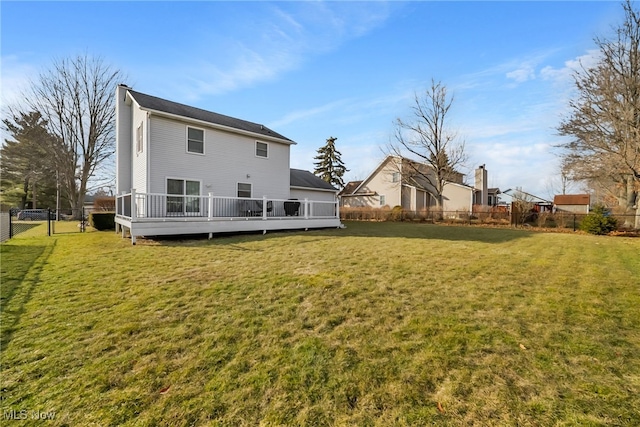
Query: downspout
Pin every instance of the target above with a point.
(147, 141)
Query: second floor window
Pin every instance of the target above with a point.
(262, 149)
(195, 140)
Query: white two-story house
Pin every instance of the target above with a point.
(184, 170)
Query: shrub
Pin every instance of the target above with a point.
(598, 221)
(103, 220)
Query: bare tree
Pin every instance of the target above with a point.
(562, 183)
(604, 120)
(427, 138)
(75, 96)
(522, 207)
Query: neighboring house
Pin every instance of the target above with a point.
(538, 204)
(395, 183)
(575, 203)
(183, 170)
(483, 195)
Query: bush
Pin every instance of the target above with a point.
(598, 221)
(103, 220)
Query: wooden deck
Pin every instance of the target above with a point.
(142, 214)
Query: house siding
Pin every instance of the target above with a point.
(382, 184)
(139, 159)
(457, 197)
(123, 142)
(228, 160)
(311, 194)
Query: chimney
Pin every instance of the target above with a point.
(482, 192)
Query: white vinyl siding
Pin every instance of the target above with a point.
(228, 159)
(139, 158)
(312, 194)
(195, 140)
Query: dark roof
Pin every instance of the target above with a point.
(159, 104)
(302, 178)
(571, 199)
(350, 187)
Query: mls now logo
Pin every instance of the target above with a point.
(15, 415)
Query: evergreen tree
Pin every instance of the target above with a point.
(329, 165)
(28, 170)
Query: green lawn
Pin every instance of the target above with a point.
(378, 324)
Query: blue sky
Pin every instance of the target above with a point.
(311, 70)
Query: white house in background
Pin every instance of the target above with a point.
(395, 183)
(183, 170)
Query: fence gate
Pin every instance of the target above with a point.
(21, 221)
(68, 221)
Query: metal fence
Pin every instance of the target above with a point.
(17, 221)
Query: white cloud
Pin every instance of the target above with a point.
(524, 73)
(15, 79)
(280, 39)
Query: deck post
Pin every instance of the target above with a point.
(210, 206)
(264, 209)
(337, 209)
(306, 208)
(134, 210)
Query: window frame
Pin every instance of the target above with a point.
(238, 184)
(139, 139)
(188, 140)
(266, 144)
(190, 204)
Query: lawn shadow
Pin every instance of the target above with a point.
(21, 269)
(412, 230)
(406, 230)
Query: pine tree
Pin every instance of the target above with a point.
(26, 162)
(329, 165)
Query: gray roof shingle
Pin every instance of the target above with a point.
(302, 178)
(159, 104)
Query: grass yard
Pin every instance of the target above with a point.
(380, 324)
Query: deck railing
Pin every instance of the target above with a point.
(134, 206)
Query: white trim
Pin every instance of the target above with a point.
(256, 149)
(204, 132)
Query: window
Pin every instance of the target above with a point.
(262, 149)
(181, 204)
(395, 177)
(195, 140)
(139, 142)
(244, 190)
(382, 200)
